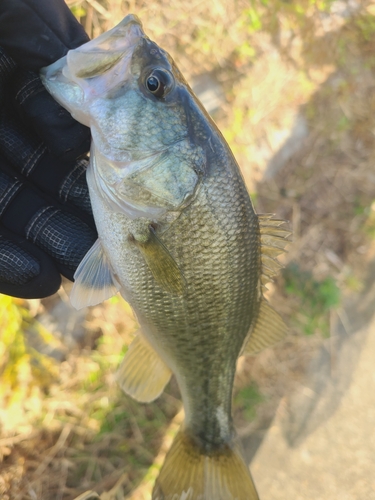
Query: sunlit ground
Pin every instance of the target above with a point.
(292, 87)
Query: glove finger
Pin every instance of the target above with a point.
(25, 271)
(34, 111)
(60, 179)
(38, 32)
(7, 69)
(60, 133)
(54, 229)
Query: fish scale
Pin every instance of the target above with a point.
(179, 238)
(225, 294)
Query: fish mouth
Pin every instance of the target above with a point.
(95, 68)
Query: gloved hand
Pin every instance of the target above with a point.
(46, 226)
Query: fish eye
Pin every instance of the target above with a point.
(159, 83)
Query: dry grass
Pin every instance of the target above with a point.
(77, 432)
(86, 433)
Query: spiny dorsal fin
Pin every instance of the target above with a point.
(273, 240)
(142, 373)
(268, 329)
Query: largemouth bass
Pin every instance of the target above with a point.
(179, 238)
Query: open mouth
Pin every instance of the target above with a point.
(95, 68)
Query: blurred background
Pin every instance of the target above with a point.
(291, 84)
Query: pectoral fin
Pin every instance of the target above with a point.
(161, 263)
(267, 330)
(94, 280)
(142, 373)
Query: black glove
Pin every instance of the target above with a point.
(46, 225)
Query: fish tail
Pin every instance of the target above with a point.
(190, 473)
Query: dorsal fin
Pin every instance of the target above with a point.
(273, 240)
(268, 328)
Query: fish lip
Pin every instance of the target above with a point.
(122, 31)
(64, 81)
(124, 35)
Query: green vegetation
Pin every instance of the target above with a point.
(25, 372)
(369, 223)
(366, 25)
(248, 400)
(315, 299)
(75, 405)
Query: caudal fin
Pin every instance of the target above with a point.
(189, 474)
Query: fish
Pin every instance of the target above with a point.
(180, 240)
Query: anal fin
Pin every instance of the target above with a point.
(267, 330)
(142, 373)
